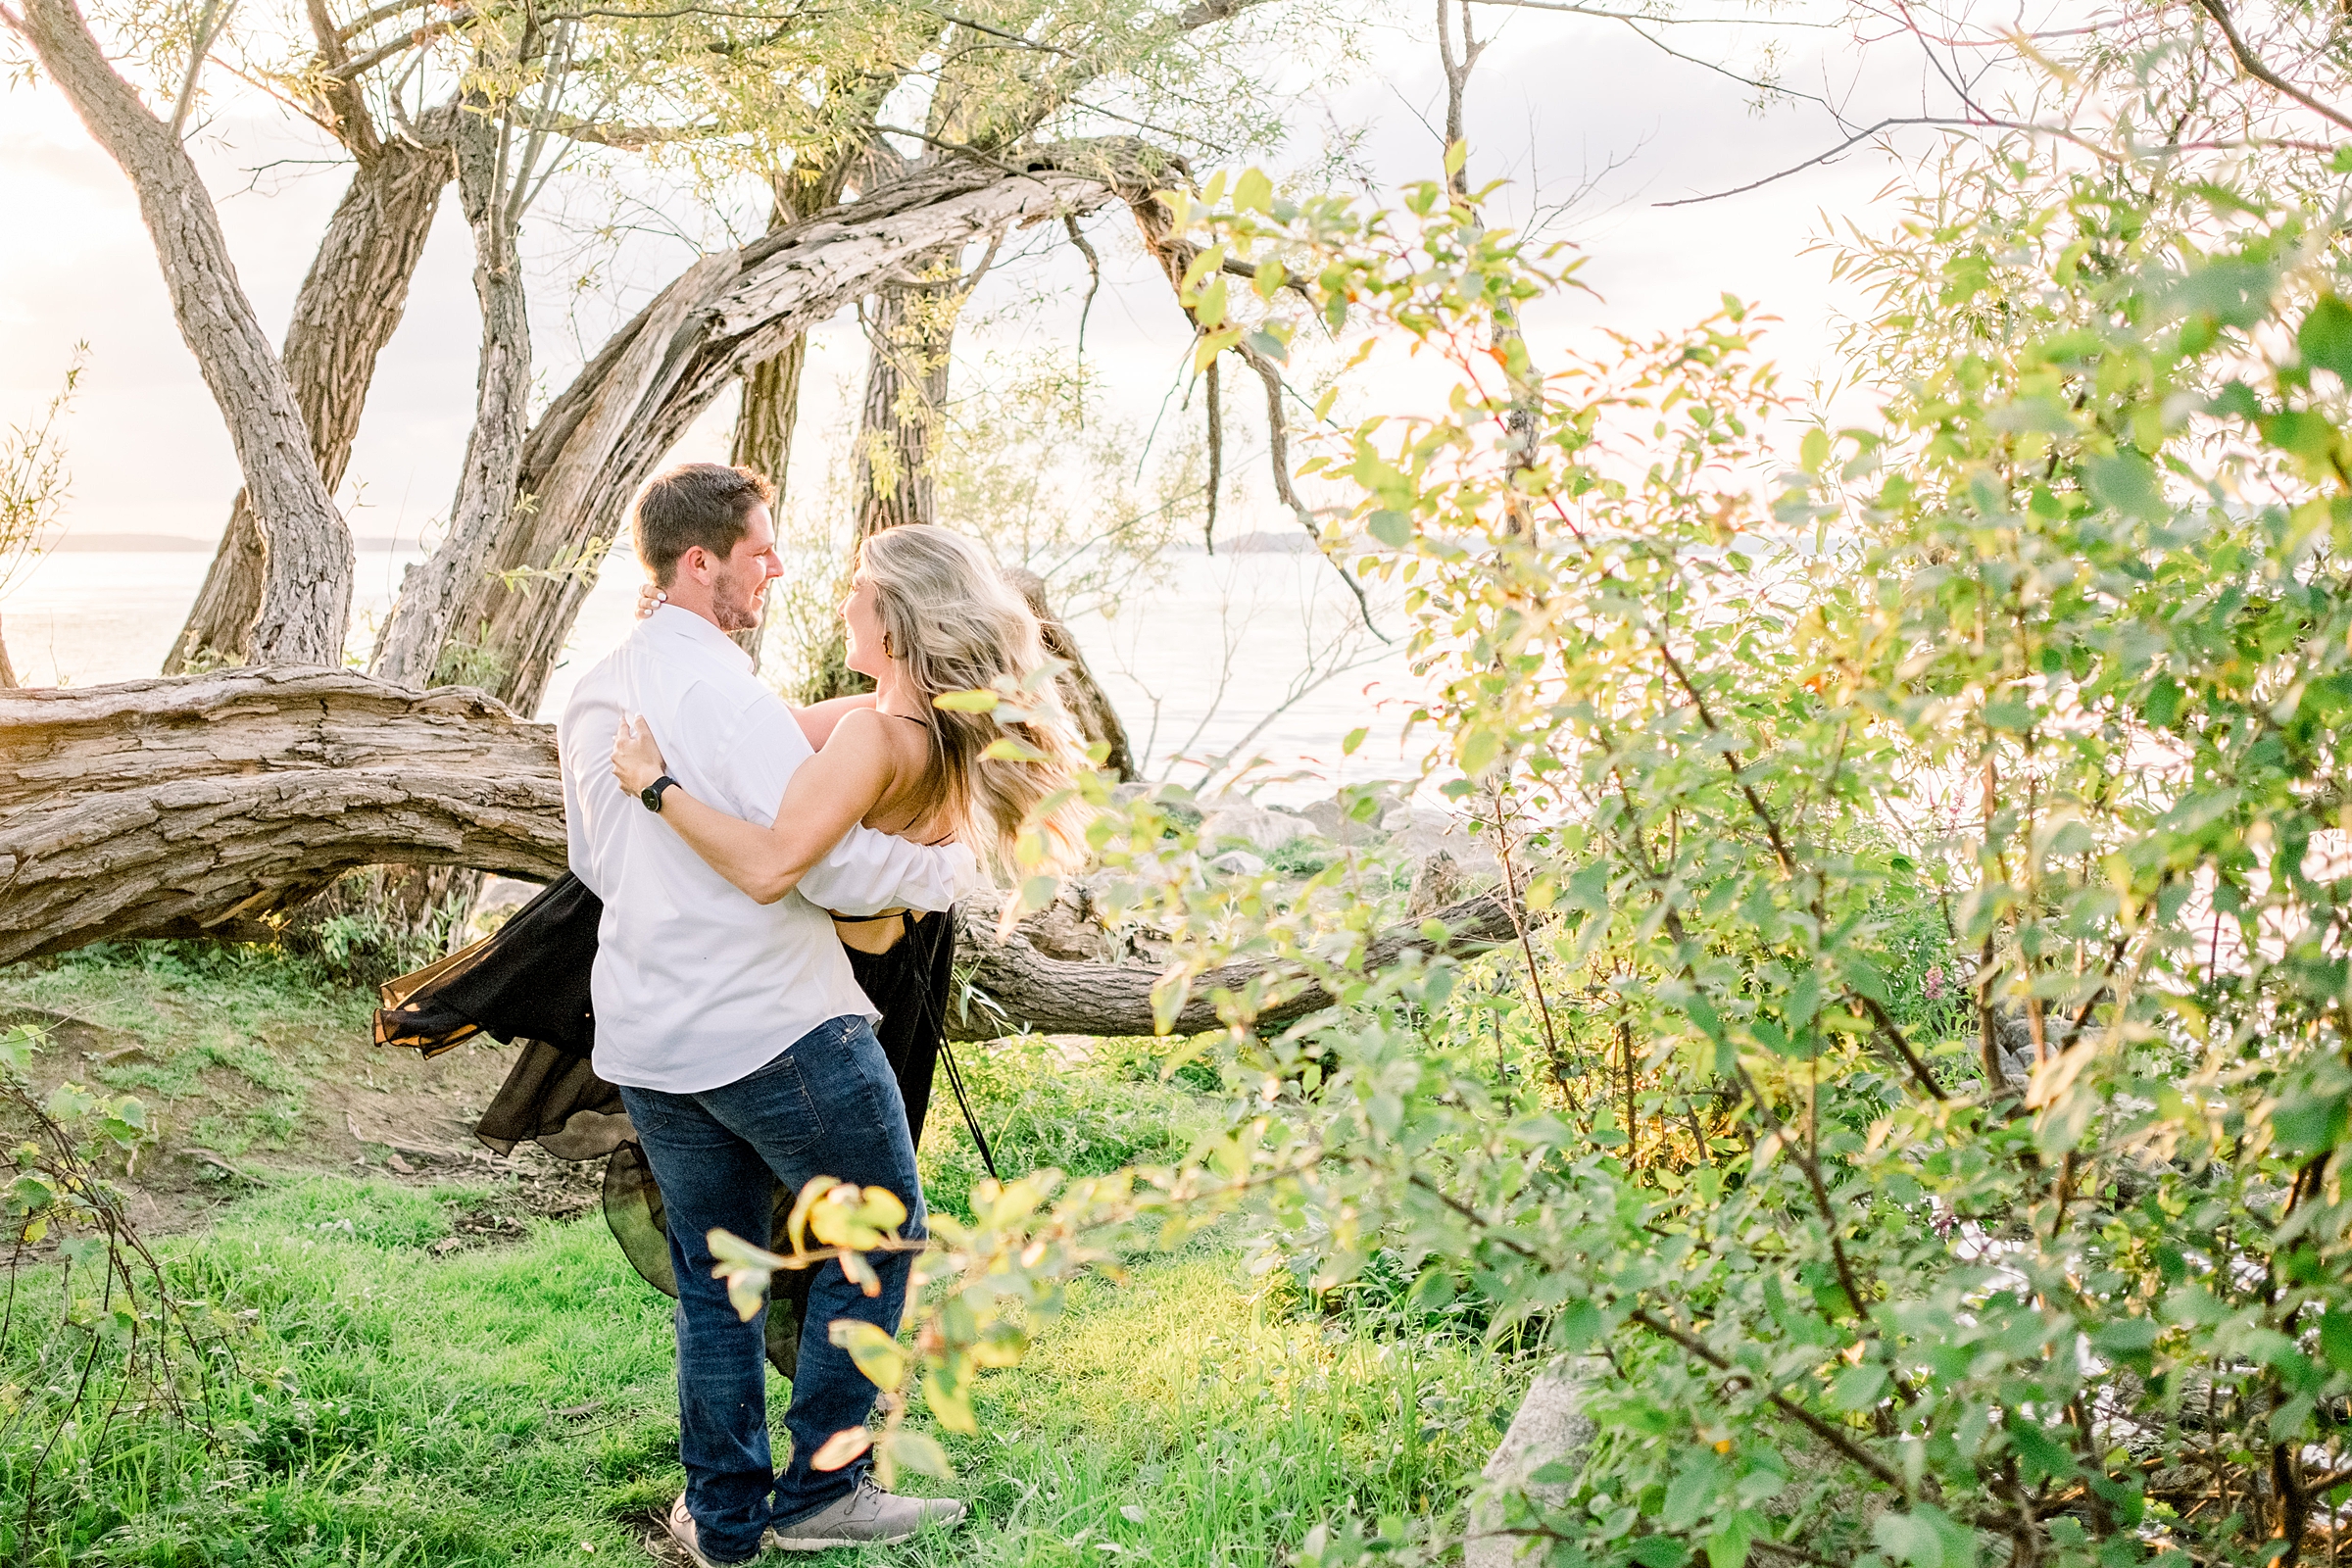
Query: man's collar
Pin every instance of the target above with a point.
(670, 620)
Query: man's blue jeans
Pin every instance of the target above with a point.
(826, 1106)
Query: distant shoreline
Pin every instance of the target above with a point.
(111, 544)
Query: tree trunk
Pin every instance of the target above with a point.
(197, 804)
(911, 330)
(764, 426)
(349, 307)
(605, 433)
(1088, 704)
(8, 671)
(420, 631)
(305, 589)
(1061, 996)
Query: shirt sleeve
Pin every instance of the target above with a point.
(869, 871)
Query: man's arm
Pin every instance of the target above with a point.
(817, 719)
(815, 799)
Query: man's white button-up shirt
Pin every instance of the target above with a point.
(696, 984)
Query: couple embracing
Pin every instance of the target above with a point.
(736, 845)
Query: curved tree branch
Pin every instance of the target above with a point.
(2253, 67)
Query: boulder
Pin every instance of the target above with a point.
(1332, 819)
(1419, 833)
(1237, 862)
(1262, 830)
(1550, 1427)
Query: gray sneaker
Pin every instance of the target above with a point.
(867, 1516)
(682, 1530)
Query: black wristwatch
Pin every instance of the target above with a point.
(651, 794)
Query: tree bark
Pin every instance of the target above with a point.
(763, 425)
(911, 329)
(420, 628)
(200, 805)
(197, 804)
(605, 433)
(1088, 704)
(350, 304)
(770, 408)
(306, 590)
(8, 671)
(1063, 996)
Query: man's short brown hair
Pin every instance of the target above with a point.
(695, 504)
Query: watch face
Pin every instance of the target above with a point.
(652, 798)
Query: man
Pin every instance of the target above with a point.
(743, 1048)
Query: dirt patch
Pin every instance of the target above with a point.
(227, 1121)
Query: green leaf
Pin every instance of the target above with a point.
(2043, 1457)
(1908, 1539)
(876, 1354)
(1353, 740)
(1391, 528)
(1212, 309)
(2127, 484)
(1254, 192)
(1690, 1497)
(2306, 1123)
(1580, 1325)
(975, 701)
(1858, 1388)
(1728, 1546)
(2325, 339)
(2127, 1340)
(2335, 1339)
(918, 1452)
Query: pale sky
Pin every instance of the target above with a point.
(1556, 95)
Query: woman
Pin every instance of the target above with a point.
(928, 615)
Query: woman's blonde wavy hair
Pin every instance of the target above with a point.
(952, 623)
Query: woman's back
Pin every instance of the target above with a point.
(903, 747)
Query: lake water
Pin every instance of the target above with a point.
(1193, 666)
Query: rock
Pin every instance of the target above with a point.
(1237, 862)
(1332, 819)
(1175, 800)
(1262, 830)
(1550, 1427)
(1421, 833)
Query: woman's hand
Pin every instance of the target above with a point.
(646, 597)
(636, 760)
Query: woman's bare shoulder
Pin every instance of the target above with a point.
(865, 732)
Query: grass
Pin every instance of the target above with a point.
(515, 1404)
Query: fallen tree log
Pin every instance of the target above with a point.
(191, 806)
(200, 805)
(1064, 995)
